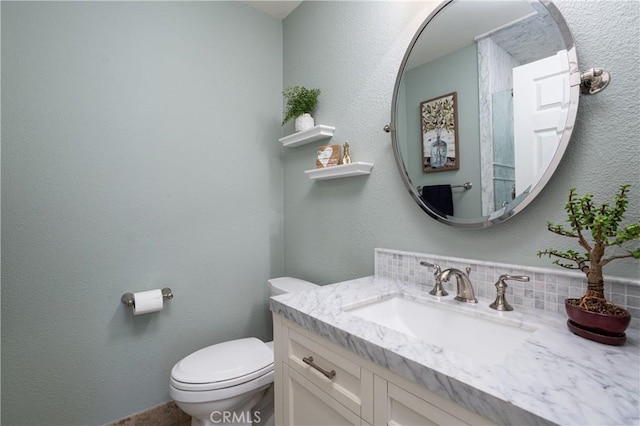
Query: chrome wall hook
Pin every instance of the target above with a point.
(594, 81)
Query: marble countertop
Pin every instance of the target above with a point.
(554, 377)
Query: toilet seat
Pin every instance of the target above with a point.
(223, 365)
(195, 397)
(199, 387)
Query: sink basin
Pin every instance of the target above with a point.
(480, 337)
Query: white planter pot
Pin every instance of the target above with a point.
(304, 122)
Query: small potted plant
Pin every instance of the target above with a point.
(300, 104)
(598, 230)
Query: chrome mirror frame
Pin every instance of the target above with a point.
(576, 81)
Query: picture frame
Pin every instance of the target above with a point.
(439, 131)
(328, 156)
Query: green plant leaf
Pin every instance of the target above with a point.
(300, 100)
(596, 228)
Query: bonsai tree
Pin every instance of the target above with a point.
(599, 231)
(300, 100)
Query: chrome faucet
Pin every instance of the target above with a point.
(465, 289)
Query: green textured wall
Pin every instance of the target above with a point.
(139, 150)
(352, 51)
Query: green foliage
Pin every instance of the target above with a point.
(596, 227)
(300, 100)
(438, 116)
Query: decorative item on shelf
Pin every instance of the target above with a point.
(304, 122)
(596, 228)
(328, 155)
(300, 104)
(346, 157)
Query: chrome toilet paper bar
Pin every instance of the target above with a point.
(129, 300)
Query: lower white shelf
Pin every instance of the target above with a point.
(344, 170)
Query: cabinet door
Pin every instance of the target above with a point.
(407, 409)
(306, 405)
(395, 406)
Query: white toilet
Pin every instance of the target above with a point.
(231, 382)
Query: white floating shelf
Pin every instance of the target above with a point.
(313, 134)
(341, 171)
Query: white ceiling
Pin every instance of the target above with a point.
(460, 23)
(277, 9)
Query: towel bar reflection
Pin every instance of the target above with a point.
(467, 186)
(129, 300)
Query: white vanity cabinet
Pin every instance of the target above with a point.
(358, 393)
(400, 402)
(306, 404)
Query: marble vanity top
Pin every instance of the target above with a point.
(554, 377)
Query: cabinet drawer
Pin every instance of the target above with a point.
(306, 405)
(346, 386)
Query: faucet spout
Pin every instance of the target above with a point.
(464, 286)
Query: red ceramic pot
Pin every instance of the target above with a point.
(597, 322)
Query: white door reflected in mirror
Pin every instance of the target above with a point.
(541, 106)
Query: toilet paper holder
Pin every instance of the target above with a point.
(129, 300)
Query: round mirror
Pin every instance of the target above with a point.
(483, 108)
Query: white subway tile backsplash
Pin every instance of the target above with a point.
(547, 289)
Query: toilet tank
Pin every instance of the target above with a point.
(283, 285)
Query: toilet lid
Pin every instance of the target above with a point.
(291, 285)
(225, 364)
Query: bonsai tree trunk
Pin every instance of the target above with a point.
(595, 279)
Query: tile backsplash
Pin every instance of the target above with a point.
(546, 290)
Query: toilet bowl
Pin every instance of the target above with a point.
(231, 382)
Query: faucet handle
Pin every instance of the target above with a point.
(504, 277)
(431, 265)
(437, 290)
(501, 304)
